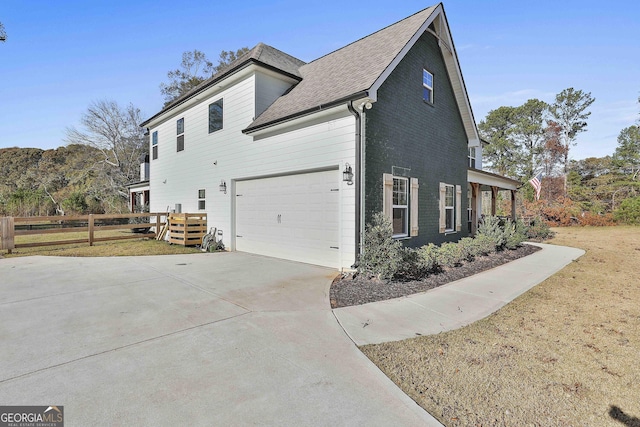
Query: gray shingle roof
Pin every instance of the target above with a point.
(344, 73)
(261, 53)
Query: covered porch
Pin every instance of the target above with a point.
(480, 181)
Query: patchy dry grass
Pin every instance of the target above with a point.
(566, 353)
(133, 247)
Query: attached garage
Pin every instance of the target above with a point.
(294, 217)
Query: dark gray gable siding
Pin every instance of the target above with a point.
(404, 131)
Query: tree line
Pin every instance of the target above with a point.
(537, 137)
(102, 156)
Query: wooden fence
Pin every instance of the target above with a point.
(11, 227)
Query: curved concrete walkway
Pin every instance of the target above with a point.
(454, 305)
(200, 340)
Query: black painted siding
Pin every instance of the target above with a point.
(403, 130)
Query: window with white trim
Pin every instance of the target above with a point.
(472, 157)
(449, 207)
(201, 199)
(427, 86)
(400, 207)
(180, 133)
(215, 116)
(154, 145)
(400, 204)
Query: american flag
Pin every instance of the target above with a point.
(536, 182)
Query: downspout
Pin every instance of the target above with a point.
(360, 116)
(359, 180)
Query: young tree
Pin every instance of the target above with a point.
(627, 155)
(114, 131)
(569, 111)
(502, 152)
(528, 133)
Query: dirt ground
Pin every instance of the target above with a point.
(566, 353)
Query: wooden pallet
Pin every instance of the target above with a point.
(187, 229)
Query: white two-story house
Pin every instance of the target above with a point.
(291, 159)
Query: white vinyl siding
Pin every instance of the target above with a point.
(232, 156)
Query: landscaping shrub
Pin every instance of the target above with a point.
(469, 248)
(490, 227)
(514, 233)
(484, 244)
(411, 266)
(538, 230)
(428, 255)
(629, 211)
(382, 255)
(450, 255)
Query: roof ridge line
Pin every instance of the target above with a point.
(369, 35)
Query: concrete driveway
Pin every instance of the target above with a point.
(205, 339)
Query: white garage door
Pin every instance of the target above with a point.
(293, 217)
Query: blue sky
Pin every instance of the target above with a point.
(62, 55)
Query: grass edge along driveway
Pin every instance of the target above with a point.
(565, 353)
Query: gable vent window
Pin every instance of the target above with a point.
(427, 86)
(180, 133)
(154, 145)
(201, 200)
(215, 116)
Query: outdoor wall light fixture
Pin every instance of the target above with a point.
(347, 174)
(223, 187)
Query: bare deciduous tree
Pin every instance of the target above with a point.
(114, 131)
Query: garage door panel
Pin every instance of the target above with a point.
(293, 217)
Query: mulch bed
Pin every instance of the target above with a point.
(355, 289)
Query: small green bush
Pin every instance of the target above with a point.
(450, 254)
(538, 230)
(490, 227)
(411, 266)
(484, 244)
(469, 248)
(382, 255)
(514, 233)
(629, 211)
(428, 255)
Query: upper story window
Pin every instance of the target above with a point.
(154, 145)
(427, 86)
(400, 207)
(180, 133)
(472, 157)
(215, 116)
